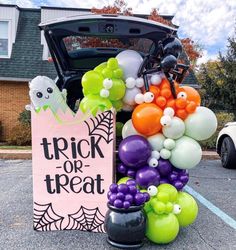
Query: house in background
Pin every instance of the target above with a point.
(24, 55)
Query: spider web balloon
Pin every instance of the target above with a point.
(102, 125)
(45, 219)
(87, 220)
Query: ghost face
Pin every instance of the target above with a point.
(42, 91)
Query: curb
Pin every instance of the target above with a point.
(27, 155)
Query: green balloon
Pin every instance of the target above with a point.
(170, 190)
(94, 103)
(117, 91)
(118, 73)
(118, 105)
(92, 82)
(119, 126)
(107, 73)
(169, 207)
(123, 180)
(100, 67)
(186, 154)
(163, 196)
(112, 63)
(201, 125)
(162, 229)
(189, 209)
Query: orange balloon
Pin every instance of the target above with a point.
(164, 84)
(191, 107)
(166, 93)
(171, 103)
(161, 101)
(181, 113)
(146, 118)
(155, 90)
(180, 103)
(192, 94)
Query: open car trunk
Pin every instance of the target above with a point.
(80, 43)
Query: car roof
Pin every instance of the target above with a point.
(56, 21)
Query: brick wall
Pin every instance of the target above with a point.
(13, 98)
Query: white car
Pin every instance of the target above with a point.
(226, 145)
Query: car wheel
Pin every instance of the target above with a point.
(228, 153)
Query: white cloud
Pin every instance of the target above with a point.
(209, 23)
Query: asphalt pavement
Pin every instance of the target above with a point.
(210, 231)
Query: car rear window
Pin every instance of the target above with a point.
(74, 44)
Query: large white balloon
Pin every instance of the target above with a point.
(201, 125)
(175, 130)
(129, 61)
(157, 141)
(130, 94)
(186, 154)
(128, 129)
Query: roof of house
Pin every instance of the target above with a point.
(26, 57)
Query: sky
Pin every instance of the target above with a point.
(207, 22)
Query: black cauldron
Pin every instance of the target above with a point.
(125, 227)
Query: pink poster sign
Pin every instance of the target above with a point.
(72, 169)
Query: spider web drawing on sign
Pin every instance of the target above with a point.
(102, 125)
(86, 219)
(45, 219)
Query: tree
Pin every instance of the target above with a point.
(218, 79)
(192, 49)
(118, 7)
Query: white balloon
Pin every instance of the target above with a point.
(186, 154)
(130, 94)
(201, 125)
(44, 92)
(175, 130)
(165, 154)
(128, 129)
(104, 93)
(156, 141)
(139, 82)
(130, 82)
(139, 98)
(156, 79)
(165, 120)
(129, 61)
(169, 111)
(148, 97)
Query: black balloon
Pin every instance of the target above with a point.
(168, 63)
(172, 46)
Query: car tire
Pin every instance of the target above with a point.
(228, 153)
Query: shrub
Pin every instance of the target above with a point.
(20, 135)
(25, 117)
(222, 118)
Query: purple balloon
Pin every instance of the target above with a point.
(147, 176)
(147, 196)
(178, 185)
(112, 198)
(126, 204)
(173, 177)
(129, 198)
(122, 169)
(164, 167)
(164, 180)
(132, 189)
(123, 188)
(139, 199)
(113, 188)
(184, 179)
(131, 173)
(131, 182)
(118, 203)
(134, 151)
(120, 196)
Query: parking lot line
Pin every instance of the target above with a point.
(222, 215)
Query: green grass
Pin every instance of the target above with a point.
(15, 147)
